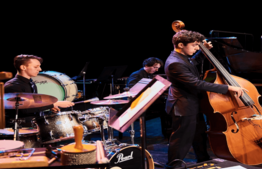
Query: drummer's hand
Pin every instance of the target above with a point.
(63, 104)
(55, 110)
(208, 45)
(239, 90)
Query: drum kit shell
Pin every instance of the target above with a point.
(55, 128)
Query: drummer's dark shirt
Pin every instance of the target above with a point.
(136, 76)
(20, 84)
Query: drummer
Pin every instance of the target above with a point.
(28, 66)
(150, 66)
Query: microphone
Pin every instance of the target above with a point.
(89, 100)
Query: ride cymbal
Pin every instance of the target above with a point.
(27, 100)
(109, 102)
(121, 95)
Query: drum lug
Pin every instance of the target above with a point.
(51, 134)
(85, 129)
(70, 117)
(46, 122)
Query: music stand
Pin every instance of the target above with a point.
(134, 109)
(111, 73)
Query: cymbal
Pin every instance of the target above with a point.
(28, 100)
(109, 102)
(121, 95)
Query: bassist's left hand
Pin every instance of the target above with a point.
(208, 45)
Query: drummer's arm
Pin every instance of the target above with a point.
(62, 104)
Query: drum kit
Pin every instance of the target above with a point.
(54, 128)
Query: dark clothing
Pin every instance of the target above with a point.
(183, 105)
(186, 84)
(20, 84)
(136, 76)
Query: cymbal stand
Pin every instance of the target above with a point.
(132, 134)
(132, 131)
(16, 127)
(110, 140)
(101, 123)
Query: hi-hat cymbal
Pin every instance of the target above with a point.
(28, 100)
(121, 95)
(109, 102)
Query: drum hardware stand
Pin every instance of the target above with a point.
(110, 140)
(132, 131)
(16, 126)
(101, 121)
(132, 134)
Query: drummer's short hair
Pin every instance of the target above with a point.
(23, 59)
(151, 61)
(185, 37)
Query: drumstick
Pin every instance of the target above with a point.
(52, 160)
(86, 101)
(101, 153)
(98, 155)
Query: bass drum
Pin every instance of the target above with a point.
(56, 84)
(130, 158)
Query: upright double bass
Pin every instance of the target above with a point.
(235, 123)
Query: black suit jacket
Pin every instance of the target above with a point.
(184, 92)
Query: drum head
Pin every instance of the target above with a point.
(49, 85)
(10, 145)
(56, 84)
(129, 158)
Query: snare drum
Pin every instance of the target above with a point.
(58, 127)
(30, 137)
(56, 84)
(130, 158)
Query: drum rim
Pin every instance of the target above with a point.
(60, 114)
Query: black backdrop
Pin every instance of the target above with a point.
(110, 34)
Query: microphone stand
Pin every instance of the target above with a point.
(112, 86)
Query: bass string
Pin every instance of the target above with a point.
(224, 72)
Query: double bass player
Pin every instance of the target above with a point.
(182, 104)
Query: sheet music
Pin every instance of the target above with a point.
(141, 101)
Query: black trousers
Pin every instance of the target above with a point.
(187, 131)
